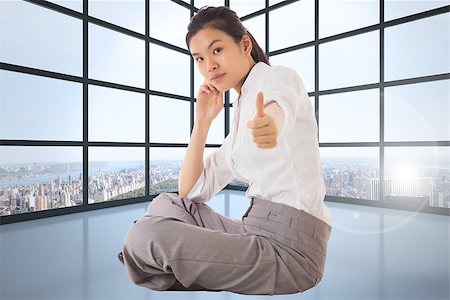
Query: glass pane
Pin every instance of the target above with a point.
(169, 71)
(168, 22)
(418, 175)
(201, 3)
(286, 21)
(128, 14)
(41, 38)
(257, 27)
(116, 173)
(72, 4)
(350, 61)
(301, 61)
(169, 120)
(35, 107)
(341, 16)
(116, 57)
(40, 178)
(246, 7)
(273, 2)
(350, 117)
(394, 9)
(417, 112)
(351, 172)
(216, 133)
(115, 115)
(165, 167)
(408, 56)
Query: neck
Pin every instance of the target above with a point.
(238, 89)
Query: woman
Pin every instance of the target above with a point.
(280, 245)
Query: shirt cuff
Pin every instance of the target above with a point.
(196, 192)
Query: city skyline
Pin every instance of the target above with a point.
(358, 179)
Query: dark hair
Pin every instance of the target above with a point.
(226, 20)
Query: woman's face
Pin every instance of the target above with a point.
(223, 63)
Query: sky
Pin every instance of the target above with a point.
(37, 108)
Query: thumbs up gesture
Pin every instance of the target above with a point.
(264, 129)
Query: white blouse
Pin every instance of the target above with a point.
(291, 172)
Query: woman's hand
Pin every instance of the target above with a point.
(209, 102)
(263, 126)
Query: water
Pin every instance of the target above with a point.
(73, 174)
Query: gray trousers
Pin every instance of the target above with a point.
(276, 249)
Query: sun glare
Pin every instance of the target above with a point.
(405, 172)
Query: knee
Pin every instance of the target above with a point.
(147, 230)
(160, 202)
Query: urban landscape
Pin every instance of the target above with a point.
(33, 187)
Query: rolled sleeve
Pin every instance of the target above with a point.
(285, 87)
(216, 174)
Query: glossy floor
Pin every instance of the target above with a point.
(373, 253)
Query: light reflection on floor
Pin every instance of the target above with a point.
(374, 253)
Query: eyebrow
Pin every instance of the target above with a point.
(193, 54)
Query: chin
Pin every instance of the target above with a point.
(223, 88)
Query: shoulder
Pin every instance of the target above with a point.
(283, 75)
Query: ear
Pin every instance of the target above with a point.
(247, 44)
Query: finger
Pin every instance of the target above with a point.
(267, 145)
(260, 105)
(214, 89)
(264, 131)
(205, 89)
(260, 122)
(263, 139)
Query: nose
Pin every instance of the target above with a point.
(212, 65)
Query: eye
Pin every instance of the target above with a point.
(220, 49)
(197, 59)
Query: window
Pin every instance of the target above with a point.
(112, 133)
(115, 173)
(418, 112)
(291, 25)
(169, 120)
(407, 56)
(165, 167)
(32, 113)
(128, 14)
(351, 172)
(350, 61)
(116, 115)
(414, 175)
(56, 39)
(169, 71)
(116, 57)
(168, 22)
(342, 16)
(39, 178)
(246, 7)
(349, 117)
(394, 9)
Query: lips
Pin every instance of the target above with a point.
(217, 76)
